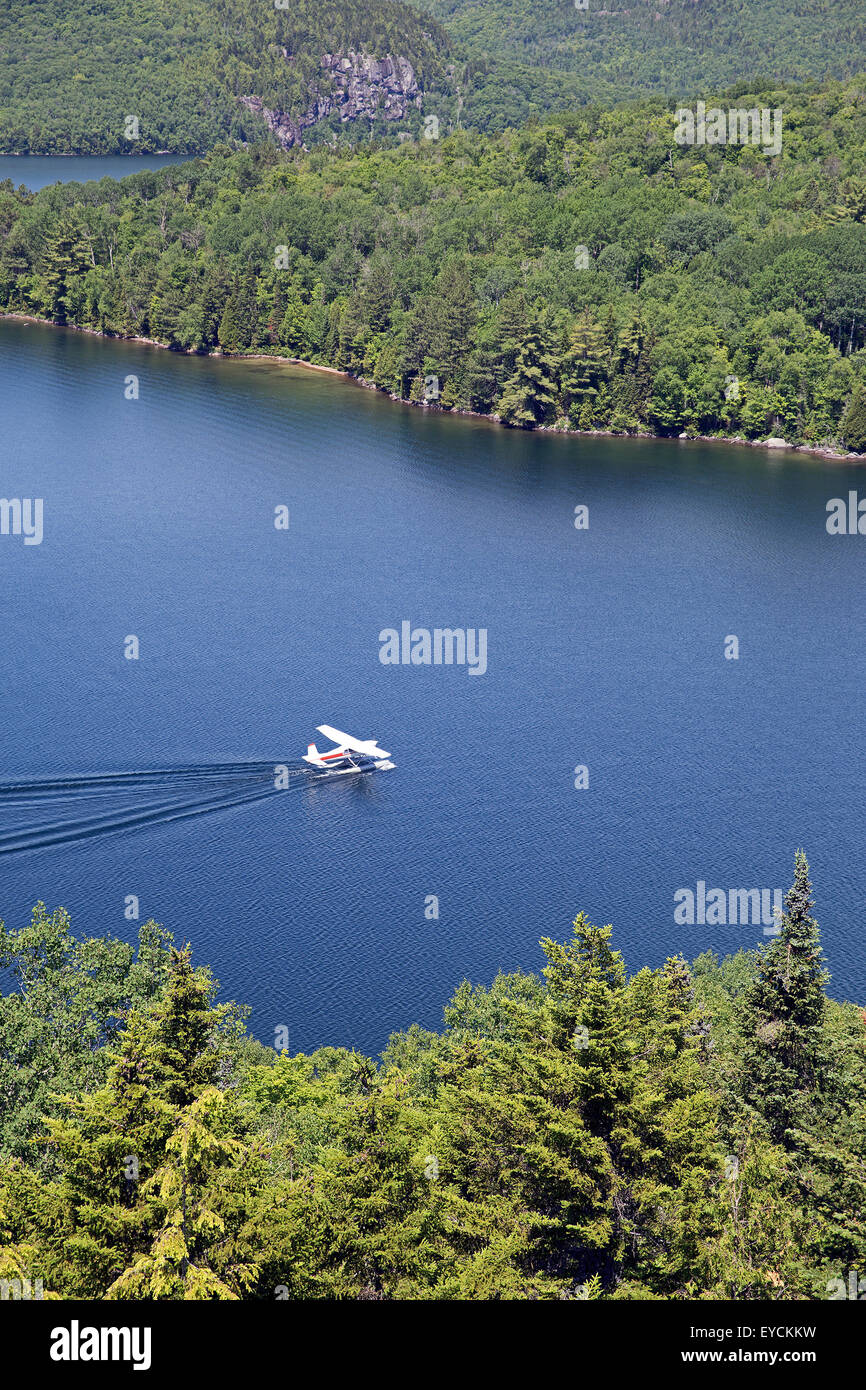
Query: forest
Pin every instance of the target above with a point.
(621, 49)
(684, 1133)
(73, 71)
(586, 272)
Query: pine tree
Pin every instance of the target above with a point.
(65, 257)
(529, 396)
(168, 302)
(249, 309)
(533, 1180)
(641, 1092)
(756, 1236)
(293, 325)
(277, 308)
(378, 295)
(214, 300)
(350, 351)
(632, 377)
(95, 1218)
(440, 327)
(584, 369)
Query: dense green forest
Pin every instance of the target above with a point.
(685, 1133)
(625, 48)
(73, 71)
(586, 273)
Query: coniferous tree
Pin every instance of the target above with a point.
(67, 1009)
(213, 305)
(378, 295)
(184, 1031)
(230, 332)
(853, 427)
(584, 370)
(101, 1212)
(529, 396)
(785, 1062)
(65, 257)
(203, 1164)
(292, 331)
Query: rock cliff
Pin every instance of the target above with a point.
(354, 85)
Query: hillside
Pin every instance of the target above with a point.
(197, 71)
(553, 55)
(586, 273)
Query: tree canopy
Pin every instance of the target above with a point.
(585, 273)
(681, 1133)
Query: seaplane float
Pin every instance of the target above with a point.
(350, 755)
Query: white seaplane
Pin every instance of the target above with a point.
(350, 755)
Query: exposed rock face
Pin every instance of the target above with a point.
(287, 131)
(359, 86)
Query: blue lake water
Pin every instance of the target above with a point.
(605, 648)
(37, 171)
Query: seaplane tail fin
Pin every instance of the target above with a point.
(312, 751)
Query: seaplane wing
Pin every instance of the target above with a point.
(350, 754)
(357, 745)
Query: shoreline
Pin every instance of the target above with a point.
(76, 154)
(773, 446)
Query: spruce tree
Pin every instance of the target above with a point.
(230, 332)
(785, 1063)
(378, 295)
(95, 1218)
(534, 1181)
(188, 1258)
(184, 1029)
(214, 299)
(640, 1090)
(853, 427)
(100, 1215)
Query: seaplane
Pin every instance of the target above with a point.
(350, 755)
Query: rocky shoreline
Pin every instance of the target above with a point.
(816, 450)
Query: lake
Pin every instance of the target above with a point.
(313, 902)
(36, 171)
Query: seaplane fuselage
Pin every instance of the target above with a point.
(350, 754)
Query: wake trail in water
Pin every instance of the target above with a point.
(129, 800)
(171, 776)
